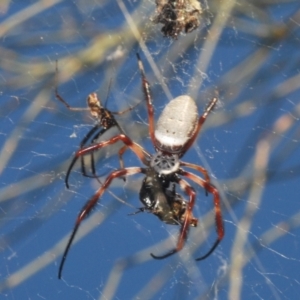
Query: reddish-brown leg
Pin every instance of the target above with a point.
(88, 207)
(121, 152)
(187, 221)
(146, 89)
(142, 154)
(217, 205)
(201, 120)
(198, 168)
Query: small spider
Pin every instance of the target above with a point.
(177, 16)
(105, 121)
(176, 130)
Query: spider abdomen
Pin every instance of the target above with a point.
(176, 124)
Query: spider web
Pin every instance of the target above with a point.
(247, 52)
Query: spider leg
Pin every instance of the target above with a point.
(199, 169)
(61, 99)
(111, 124)
(121, 151)
(125, 110)
(187, 220)
(90, 204)
(83, 170)
(127, 141)
(125, 147)
(142, 154)
(107, 121)
(217, 205)
(83, 142)
(201, 120)
(146, 89)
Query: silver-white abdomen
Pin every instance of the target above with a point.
(176, 124)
